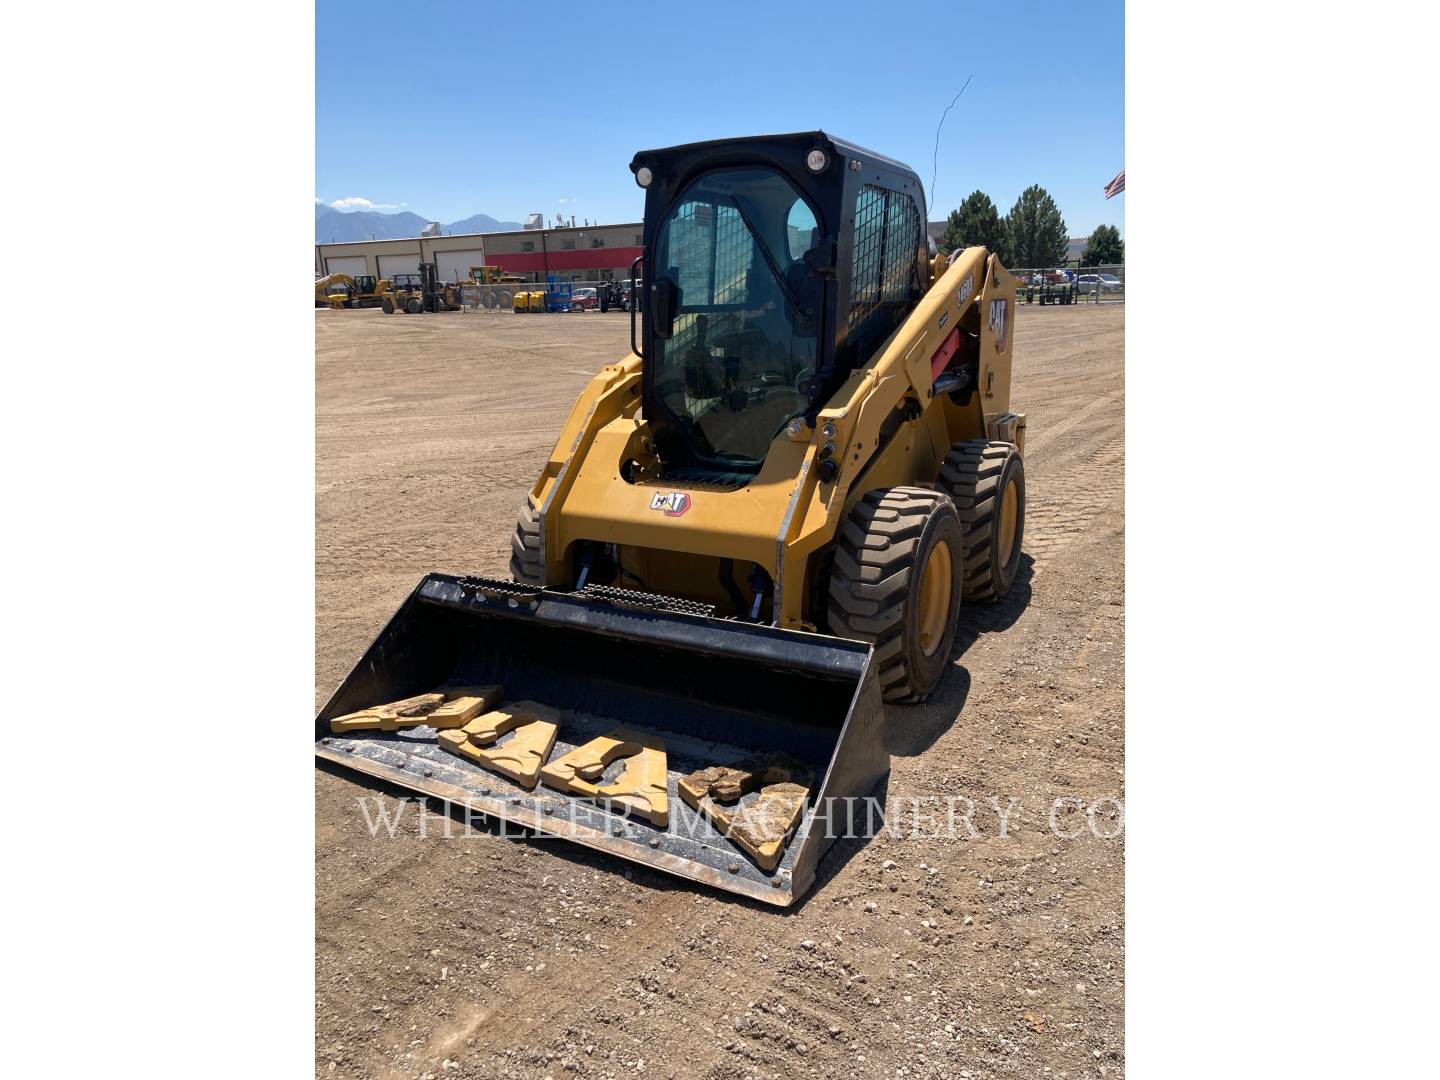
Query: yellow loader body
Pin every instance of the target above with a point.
(784, 515)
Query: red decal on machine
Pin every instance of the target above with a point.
(673, 503)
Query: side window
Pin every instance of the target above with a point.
(884, 270)
(799, 229)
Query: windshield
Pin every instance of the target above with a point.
(741, 359)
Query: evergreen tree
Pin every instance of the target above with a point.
(1035, 231)
(976, 221)
(1104, 248)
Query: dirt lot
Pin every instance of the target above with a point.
(481, 956)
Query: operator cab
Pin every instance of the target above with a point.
(773, 266)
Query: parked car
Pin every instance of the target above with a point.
(1090, 284)
(586, 299)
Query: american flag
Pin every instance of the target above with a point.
(1116, 186)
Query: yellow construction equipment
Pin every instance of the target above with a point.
(752, 530)
(406, 295)
(421, 291)
(344, 291)
(490, 275)
(333, 290)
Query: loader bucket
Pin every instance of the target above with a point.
(711, 692)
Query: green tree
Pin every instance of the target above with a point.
(1035, 231)
(975, 222)
(1104, 248)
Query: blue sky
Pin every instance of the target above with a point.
(450, 110)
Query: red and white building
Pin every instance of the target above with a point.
(570, 253)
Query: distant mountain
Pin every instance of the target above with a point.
(334, 227)
(337, 227)
(481, 223)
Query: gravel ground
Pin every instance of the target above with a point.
(997, 953)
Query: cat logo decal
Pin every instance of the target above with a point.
(998, 323)
(673, 503)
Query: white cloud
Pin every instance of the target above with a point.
(568, 199)
(359, 202)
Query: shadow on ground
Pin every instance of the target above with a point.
(913, 729)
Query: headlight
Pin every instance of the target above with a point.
(816, 161)
(643, 176)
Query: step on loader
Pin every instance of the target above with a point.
(753, 530)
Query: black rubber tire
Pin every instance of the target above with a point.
(387, 306)
(975, 474)
(525, 547)
(874, 590)
(413, 306)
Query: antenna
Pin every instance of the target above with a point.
(935, 156)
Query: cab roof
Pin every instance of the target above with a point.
(803, 141)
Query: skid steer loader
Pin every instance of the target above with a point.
(751, 531)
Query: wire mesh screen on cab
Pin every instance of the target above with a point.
(885, 274)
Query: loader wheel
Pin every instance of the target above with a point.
(896, 583)
(987, 482)
(413, 306)
(387, 307)
(525, 547)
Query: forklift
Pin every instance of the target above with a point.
(421, 291)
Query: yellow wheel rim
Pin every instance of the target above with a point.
(935, 588)
(1009, 512)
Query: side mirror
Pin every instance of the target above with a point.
(664, 302)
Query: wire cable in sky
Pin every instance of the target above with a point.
(935, 157)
